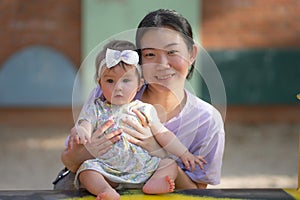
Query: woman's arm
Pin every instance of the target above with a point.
(72, 158)
(76, 153)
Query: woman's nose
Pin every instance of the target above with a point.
(163, 60)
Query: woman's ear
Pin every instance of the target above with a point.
(193, 53)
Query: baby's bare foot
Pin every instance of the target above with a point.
(108, 195)
(159, 186)
(171, 183)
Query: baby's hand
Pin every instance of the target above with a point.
(190, 161)
(83, 133)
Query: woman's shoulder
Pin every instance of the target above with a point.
(206, 115)
(195, 104)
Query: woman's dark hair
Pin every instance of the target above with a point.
(167, 18)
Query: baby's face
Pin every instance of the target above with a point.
(119, 85)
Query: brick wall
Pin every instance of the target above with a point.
(244, 25)
(235, 24)
(52, 23)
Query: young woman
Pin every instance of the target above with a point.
(168, 53)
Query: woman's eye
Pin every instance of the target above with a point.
(171, 52)
(149, 54)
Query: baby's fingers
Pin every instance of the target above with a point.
(82, 140)
(88, 139)
(200, 161)
(200, 164)
(77, 139)
(187, 165)
(193, 165)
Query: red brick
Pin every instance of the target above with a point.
(250, 24)
(56, 24)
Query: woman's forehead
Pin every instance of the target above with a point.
(160, 38)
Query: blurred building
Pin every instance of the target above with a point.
(256, 46)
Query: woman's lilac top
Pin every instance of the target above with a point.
(199, 126)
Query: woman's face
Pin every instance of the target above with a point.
(165, 58)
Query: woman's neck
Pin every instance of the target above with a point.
(167, 103)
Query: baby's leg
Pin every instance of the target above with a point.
(162, 181)
(96, 184)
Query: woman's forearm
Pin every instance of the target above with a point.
(72, 158)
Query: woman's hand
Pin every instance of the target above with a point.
(76, 153)
(100, 142)
(141, 135)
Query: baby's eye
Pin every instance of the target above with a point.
(109, 80)
(126, 80)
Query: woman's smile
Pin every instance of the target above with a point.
(164, 77)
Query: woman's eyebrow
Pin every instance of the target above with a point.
(148, 48)
(171, 44)
(166, 46)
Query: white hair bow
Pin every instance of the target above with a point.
(113, 57)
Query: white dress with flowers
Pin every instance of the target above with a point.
(125, 162)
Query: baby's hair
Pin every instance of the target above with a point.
(119, 45)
